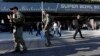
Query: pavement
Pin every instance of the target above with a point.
(61, 46)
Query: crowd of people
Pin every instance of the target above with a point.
(46, 26)
(17, 21)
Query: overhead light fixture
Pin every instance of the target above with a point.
(95, 0)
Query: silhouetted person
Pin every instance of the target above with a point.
(47, 25)
(30, 29)
(17, 21)
(78, 25)
(59, 28)
(55, 28)
(39, 28)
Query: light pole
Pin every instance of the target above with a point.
(42, 10)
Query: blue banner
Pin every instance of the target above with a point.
(51, 7)
(80, 8)
(5, 7)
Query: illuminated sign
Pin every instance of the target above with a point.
(51, 7)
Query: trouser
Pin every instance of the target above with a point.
(17, 34)
(59, 32)
(47, 35)
(38, 32)
(30, 31)
(55, 31)
(78, 30)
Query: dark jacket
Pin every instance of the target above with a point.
(19, 19)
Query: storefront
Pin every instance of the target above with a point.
(65, 13)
